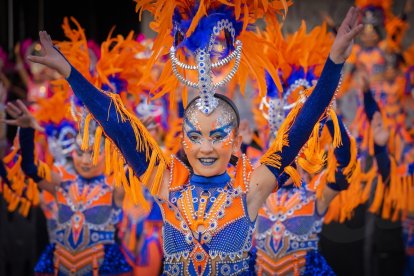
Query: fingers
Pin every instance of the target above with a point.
(38, 127)
(22, 106)
(354, 18)
(45, 40)
(354, 32)
(13, 110)
(377, 120)
(9, 122)
(348, 18)
(37, 59)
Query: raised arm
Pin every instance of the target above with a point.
(121, 127)
(381, 136)
(268, 176)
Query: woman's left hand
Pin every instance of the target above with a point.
(349, 29)
(21, 116)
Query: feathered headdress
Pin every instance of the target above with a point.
(301, 57)
(375, 12)
(202, 37)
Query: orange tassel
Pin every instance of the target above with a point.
(337, 139)
(85, 138)
(293, 173)
(97, 145)
(378, 197)
(43, 171)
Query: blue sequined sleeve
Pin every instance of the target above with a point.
(27, 146)
(383, 162)
(381, 152)
(342, 155)
(311, 112)
(121, 133)
(3, 173)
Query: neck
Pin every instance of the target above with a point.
(210, 181)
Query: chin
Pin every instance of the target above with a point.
(88, 174)
(208, 172)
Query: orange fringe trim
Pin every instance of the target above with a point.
(115, 163)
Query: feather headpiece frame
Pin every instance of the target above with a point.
(206, 37)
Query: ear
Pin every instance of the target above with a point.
(237, 143)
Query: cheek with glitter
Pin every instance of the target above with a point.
(228, 142)
(187, 143)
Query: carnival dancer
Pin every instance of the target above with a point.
(208, 216)
(88, 208)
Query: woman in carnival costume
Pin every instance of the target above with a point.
(88, 208)
(208, 216)
(394, 191)
(141, 221)
(290, 221)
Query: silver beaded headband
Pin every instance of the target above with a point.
(207, 102)
(278, 107)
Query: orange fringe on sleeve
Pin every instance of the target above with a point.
(23, 192)
(342, 206)
(394, 200)
(145, 142)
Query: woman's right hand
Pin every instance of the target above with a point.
(21, 116)
(50, 56)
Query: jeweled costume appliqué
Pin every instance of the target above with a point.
(287, 233)
(201, 215)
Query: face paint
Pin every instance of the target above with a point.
(220, 128)
(83, 161)
(209, 141)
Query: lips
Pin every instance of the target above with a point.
(207, 161)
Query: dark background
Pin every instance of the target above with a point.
(96, 17)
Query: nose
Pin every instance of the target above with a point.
(86, 158)
(206, 146)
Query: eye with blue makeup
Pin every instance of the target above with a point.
(216, 135)
(219, 134)
(195, 136)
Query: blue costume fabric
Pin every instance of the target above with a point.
(121, 133)
(26, 139)
(311, 112)
(287, 233)
(222, 202)
(86, 219)
(381, 152)
(342, 155)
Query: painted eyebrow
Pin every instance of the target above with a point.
(221, 129)
(194, 131)
(192, 127)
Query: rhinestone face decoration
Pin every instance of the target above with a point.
(225, 123)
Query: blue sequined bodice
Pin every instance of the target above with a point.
(198, 221)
